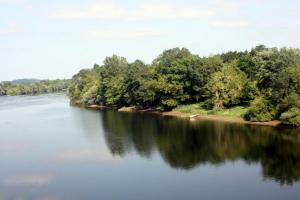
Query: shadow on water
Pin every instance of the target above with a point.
(186, 145)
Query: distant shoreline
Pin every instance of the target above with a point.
(33, 95)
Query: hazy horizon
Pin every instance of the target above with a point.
(50, 40)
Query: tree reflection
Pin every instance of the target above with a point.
(185, 145)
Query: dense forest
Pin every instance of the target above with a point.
(33, 87)
(264, 80)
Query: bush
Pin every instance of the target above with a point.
(291, 101)
(260, 110)
(2, 91)
(250, 92)
(169, 104)
(90, 96)
(226, 86)
(291, 117)
(290, 110)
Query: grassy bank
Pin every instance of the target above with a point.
(233, 115)
(237, 112)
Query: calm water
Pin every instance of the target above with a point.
(51, 151)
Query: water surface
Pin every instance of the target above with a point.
(52, 151)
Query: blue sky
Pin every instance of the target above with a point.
(57, 38)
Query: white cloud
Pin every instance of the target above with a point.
(110, 10)
(121, 34)
(10, 29)
(29, 180)
(229, 24)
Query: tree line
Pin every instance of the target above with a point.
(32, 88)
(267, 80)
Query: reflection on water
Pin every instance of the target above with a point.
(31, 180)
(50, 150)
(186, 145)
(86, 155)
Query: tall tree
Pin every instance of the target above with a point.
(226, 86)
(112, 77)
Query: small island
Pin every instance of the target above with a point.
(259, 86)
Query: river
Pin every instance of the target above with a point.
(50, 150)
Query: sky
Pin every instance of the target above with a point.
(55, 39)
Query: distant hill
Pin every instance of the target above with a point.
(23, 81)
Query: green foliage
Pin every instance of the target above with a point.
(208, 66)
(260, 110)
(294, 75)
(290, 110)
(168, 94)
(38, 87)
(272, 71)
(182, 69)
(112, 80)
(173, 70)
(226, 86)
(236, 111)
(247, 64)
(90, 96)
(292, 117)
(137, 76)
(197, 108)
(264, 78)
(201, 108)
(250, 92)
(232, 56)
(146, 93)
(291, 101)
(2, 90)
(114, 94)
(84, 87)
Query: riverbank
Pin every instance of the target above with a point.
(224, 116)
(194, 117)
(274, 123)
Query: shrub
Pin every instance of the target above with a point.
(291, 117)
(290, 110)
(226, 86)
(90, 96)
(169, 104)
(250, 92)
(260, 110)
(291, 101)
